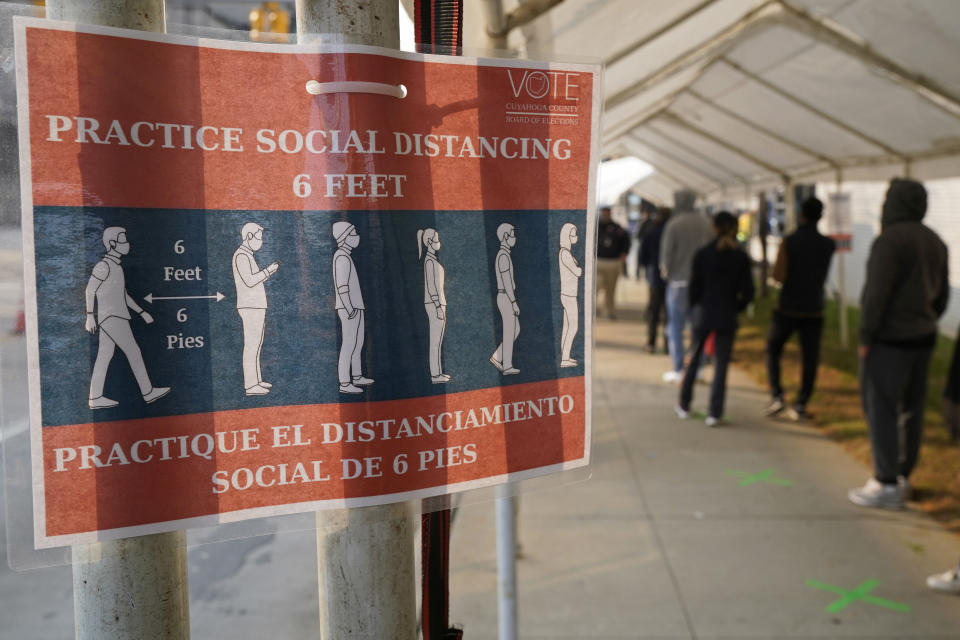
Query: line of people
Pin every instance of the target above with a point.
(705, 278)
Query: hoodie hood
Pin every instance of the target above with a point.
(906, 202)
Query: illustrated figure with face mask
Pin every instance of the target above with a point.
(252, 305)
(108, 310)
(570, 272)
(434, 299)
(502, 358)
(350, 309)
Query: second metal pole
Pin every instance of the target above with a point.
(364, 556)
(506, 563)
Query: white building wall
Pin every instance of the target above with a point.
(943, 216)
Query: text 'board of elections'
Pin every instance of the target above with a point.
(268, 279)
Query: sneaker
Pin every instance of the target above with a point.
(877, 495)
(360, 381)
(349, 388)
(569, 362)
(711, 421)
(441, 379)
(511, 371)
(682, 413)
(948, 581)
(496, 363)
(257, 390)
(797, 413)
(672, 376)
(103, 402)
(155, 394)
(266, 385)
(776, 406)
(905, 489)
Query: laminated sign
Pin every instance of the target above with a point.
(266, 279)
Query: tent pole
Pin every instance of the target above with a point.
(135, 587)
(842, 285)
(365, 561)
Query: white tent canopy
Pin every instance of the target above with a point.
(725, 96)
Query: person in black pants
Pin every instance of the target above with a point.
(649, 261)
(905, 293)
(721, 286)
(802, 266)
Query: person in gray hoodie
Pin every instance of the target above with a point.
(906, 291)
(685, 232)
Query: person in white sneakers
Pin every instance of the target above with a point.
(685, 233)
(948, 581)
(905, 293)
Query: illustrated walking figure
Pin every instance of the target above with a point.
(502, 358)
(252, 305)
(350, 309)
(570, 272)
(434, 300)
(108, 309)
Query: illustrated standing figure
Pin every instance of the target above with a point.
(721, 286)
(434, 300)
(108, 309)
(906, 292)
(252, 305)
(570, 272)
(350, 309)
(502, 358)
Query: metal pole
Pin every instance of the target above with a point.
(137, 587)
(789, 206)
(132, 589)
(842, 285)
(364, 556)
(506, 563)
(494, 24)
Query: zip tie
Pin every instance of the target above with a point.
(320, 88)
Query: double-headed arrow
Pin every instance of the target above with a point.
(150, 297)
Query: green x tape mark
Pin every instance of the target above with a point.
(764, 476)
(860, 593)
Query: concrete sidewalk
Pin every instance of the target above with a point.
(661, 543)
(685, 531)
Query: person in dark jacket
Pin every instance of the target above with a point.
(613, 245)
(721, 286)
(650, 263)
(648, 220)
(802, 266)
(906, 291)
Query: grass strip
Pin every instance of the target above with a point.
(836, 408)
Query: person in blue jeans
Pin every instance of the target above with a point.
(685, 233)
(721, 286)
